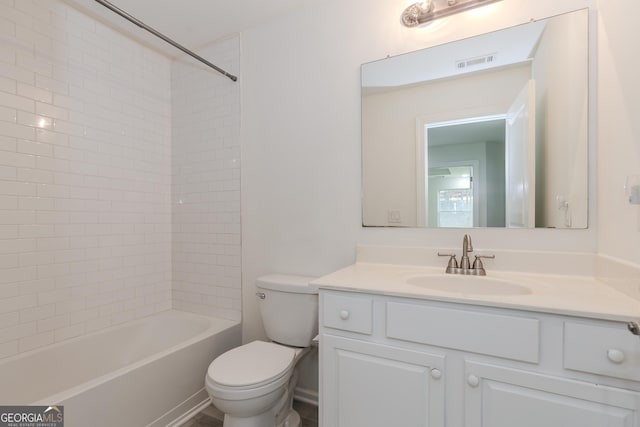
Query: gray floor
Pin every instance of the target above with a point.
(212, 417)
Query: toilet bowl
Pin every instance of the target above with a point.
(248, 382)
(253, 384)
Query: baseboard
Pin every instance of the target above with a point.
(184, 411)
(306, 395)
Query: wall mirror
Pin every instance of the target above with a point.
(489, 131)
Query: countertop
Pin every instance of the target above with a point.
(582, 296)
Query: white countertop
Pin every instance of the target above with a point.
(581, 296)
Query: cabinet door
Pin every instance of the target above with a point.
(372, 385)
(504, 397)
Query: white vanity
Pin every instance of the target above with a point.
(549, 351)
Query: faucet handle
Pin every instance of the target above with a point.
(477, 263)
(453, 262)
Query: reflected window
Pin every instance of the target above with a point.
(455, 207)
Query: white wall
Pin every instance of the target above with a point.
(85, 223)
(205, 155)
(618, 128)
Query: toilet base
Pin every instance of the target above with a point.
(265, 420)
(292, 420)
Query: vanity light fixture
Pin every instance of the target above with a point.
(426, 11)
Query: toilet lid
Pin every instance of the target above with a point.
(251, 364)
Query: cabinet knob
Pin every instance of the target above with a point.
(615, 355)
(344, 314)
(436, 374)
(473, 381)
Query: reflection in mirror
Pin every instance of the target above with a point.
(490, 131)
(465, 159)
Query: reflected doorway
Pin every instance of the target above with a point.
(464, 177)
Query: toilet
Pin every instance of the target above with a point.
(253, 384)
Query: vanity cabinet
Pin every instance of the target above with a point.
(370, 384)
(395, 361)
(379, 386)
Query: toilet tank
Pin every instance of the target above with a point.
(289, 308)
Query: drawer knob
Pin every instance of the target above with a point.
(436, 374)
(615, 355)
(473, 381)
(344, 314)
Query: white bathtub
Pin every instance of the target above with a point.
(146, 372)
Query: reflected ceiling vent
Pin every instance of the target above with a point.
(476, 62)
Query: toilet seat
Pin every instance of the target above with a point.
(251, 366)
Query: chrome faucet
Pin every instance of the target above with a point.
(467, 247)
(465, 267)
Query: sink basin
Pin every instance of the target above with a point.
(470, 285)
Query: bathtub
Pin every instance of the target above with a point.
(146, 372)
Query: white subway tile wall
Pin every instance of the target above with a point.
(206, 183)
(85, 176)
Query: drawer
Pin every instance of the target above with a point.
(511, 337)
(349, 313)
(608, 350)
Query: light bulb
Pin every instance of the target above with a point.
(425, 6)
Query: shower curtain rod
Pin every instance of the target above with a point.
(144, 26)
